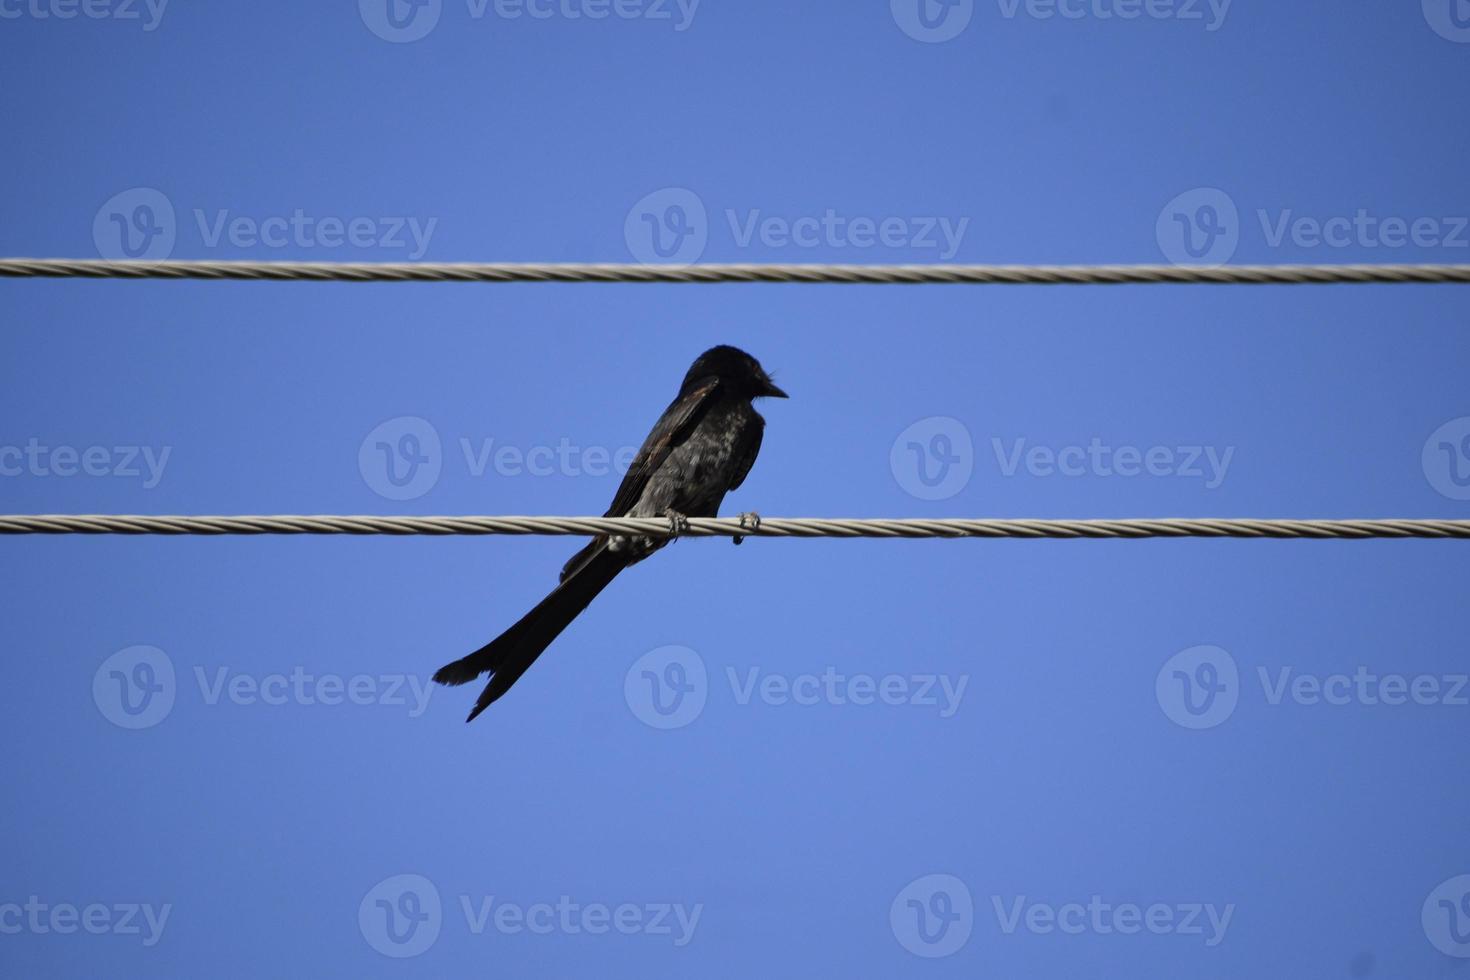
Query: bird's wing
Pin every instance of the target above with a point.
(748, 452)
(672, 428)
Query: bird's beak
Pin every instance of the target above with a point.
(771, 391)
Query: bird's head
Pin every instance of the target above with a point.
(738, 372)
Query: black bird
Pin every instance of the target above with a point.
(700, 449)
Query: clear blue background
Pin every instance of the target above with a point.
(795, 827)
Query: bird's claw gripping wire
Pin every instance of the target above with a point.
(678, 524)
(752, 520)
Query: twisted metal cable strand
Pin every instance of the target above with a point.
(732, 527)
(731, 273)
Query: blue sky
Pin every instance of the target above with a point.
(1043, 759)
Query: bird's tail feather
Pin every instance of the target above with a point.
(509, 655)
(576, 562)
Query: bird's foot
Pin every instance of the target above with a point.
(678, 524)
(750, 520)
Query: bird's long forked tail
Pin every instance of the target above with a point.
(511, 654)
